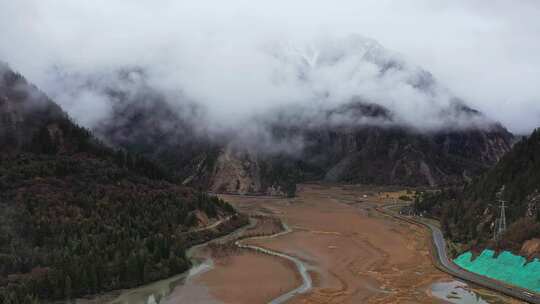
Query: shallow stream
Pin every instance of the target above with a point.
(158, 292)
(456, 292)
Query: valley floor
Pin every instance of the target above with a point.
(354, 253)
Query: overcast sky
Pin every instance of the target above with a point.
(487, 52)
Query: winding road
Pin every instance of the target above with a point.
(444, 263)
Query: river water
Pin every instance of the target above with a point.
(158, 292)
(307, 283)
(460, 293)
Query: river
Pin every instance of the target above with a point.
(158, 292)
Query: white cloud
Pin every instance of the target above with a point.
(219, 53)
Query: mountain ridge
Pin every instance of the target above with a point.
(149, 125)
(343, 109)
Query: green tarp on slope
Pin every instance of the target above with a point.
(507, 267)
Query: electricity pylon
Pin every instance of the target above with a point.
(500, 223)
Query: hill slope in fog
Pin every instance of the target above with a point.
(77, 217)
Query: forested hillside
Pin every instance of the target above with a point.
(468, 215)
(77, 217)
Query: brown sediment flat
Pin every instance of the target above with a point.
(250, 278)
(356, 254)
(239, 276)
(244, 277)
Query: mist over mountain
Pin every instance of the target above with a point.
(309, 79)
(242, 58)
(124, 125)
(351, 111)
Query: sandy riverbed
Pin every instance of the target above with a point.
(236, 278)
(236, 273)
(355, 254)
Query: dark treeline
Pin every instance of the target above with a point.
(79, 225)
(52, 141)
(468, 213)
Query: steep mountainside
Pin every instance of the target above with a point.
(370, 154)
(144, 121)
(77, 217)
(23, 111)
(386, 153)
(357, 142)
(358, 113)
(469, 215)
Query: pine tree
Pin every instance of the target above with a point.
(31, 299)
(68, 291)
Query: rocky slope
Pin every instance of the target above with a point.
(391, 155)
(385, 153)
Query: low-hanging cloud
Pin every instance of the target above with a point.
(240, 59)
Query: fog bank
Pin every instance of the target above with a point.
(241, 59)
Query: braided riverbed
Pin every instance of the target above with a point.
(160, 291)
(307, 282)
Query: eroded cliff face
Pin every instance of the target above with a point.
(236, 172)
(242, 172)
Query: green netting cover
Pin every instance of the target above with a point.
(507, 267)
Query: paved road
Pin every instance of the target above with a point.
(449, 267)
